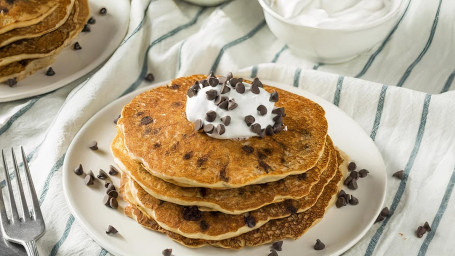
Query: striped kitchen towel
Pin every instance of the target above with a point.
(399, 92)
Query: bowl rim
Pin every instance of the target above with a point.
(390, 15)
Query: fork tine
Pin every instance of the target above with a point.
(10, 191)
(25, 211)
(35, 202)
(3, 215)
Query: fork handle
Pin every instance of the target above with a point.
(31, 249)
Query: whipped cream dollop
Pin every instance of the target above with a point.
(229, 108)
(333, 13)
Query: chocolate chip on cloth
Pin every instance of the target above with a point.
(399, 175)
(427, 226)
(319, 245)
(420, 231)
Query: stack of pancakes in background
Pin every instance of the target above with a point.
(33, 32)
(226, 193)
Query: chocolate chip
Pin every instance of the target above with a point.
(208, 128)
(167, 252)
(198, 125)
(79, 170)
(204, 225)
(11, 82)
(106, 200)
(112, 170)
(211, 75)
(353, 184)
(210, 116)
(319, 245)
(363, 173)
(157, 145)
(204, 83)
(278, 245)
(113, 203)
(220, 129)
(240, 87)
(279, 111)
(91, 20)
(188, 155)
(89, 180)
(269, 130)
(399, 175)
(250, 221)
(255, 89)
(273, 97)
(191, 92)
(77, 46)
(232, 105)
(191, 213)
(229, 76)
(102, 175)
(278, 119)
(427, 226)
(110, 187)
(354, 175)
(262, 110)
(211, 94)
(116, 119)
(149, 77)
(341, 201)
(213, 81)
(262, 135)
(225, 89)
(86, 28)
(234, 81)
(223, 175)
(273, 253)
(248, 149)
(203, 191)
(353, 200)
(113, 193)
(224, 105)
(106, 184)
(226, 120)
(341, 193)
(249, 120)
(302, 176)
(103, 11)
(385, 212)
(221, 80)
(146, 120)
(93, 145)
(264, 165)
(111, 230)
(347, 180)
(352, 166)
(291, 209)
(220, 99)
(50, 72)
(257, 82)
(420, 231)
(256, 128)
(379, 219)
(201, 160)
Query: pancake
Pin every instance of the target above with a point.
(231, 201)
(49, 43)
(57, 18)
(220, 226)
(21, 69)
(292, 227)
(219, 164)
(23, 13)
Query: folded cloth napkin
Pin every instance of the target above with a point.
(413, 129)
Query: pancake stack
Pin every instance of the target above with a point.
(227, 193)
(33, 33)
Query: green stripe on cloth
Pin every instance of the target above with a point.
(396, 200)
(254, 71)
(278, 54)
(377, 118)
(448, 82)
(54, 169)
(234, 43)
(337, 95)
(141, 24)
(297, 73)
(65, 234)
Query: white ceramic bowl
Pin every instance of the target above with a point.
(207, 2)
(330, 45)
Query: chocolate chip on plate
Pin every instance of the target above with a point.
(89, 179)
(167, 252)
(50, 72)
(341, 193)
(116, 119)
(341, 201)
(420, 231)
(319, 245)
(113, 203)
(86, 28)
(352, 166)
(102, 175)
(113, 170)
(11, 82)
(103, 11)
(249, 120)
(210, 116)
(111, 230)
(277, 245)
(91, 20)
(149, 77)
(353, 184)
(113, 193)
(363, 173)
(226, 120)
(273, 97)
(347, 180)
(106, 200)
(353, 200)
(93, 145)
(399, 175)
(106, 184)
(379, 219)
(77, 46)
(110, 187)
(385, 212)
(272, 253)
(354, 175)
(262, 110)
(79, 170)
(250, 221)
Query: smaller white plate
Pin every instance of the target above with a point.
(97, 46)
(339, 230)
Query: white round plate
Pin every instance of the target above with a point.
(339, 230)
(70, 65)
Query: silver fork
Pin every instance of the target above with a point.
(26, 228)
